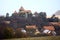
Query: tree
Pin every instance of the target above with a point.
(42, 16)
(53, 16)
(7, 14)
(8, 32)
(53, 19)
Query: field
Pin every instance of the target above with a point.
(38, 38)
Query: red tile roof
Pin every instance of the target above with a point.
(49, 27)
(31, 27)
(55, 23)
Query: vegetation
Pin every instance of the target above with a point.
(38, 38)
(8, 32)
(53, 19)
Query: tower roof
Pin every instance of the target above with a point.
(15, 11)
(35, 13)
(21, 8)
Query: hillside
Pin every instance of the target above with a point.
(57, 12)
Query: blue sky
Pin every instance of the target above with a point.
(48, 6)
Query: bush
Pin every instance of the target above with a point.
(7, 33)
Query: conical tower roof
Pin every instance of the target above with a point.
(21, 8)
(15, 11)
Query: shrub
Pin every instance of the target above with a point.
(7, 33)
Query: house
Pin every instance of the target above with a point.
(20, 32)
(21, 29)
(31, 27)
(49, 30)
(7, 22)
(55, 23)
(57, 27)
(32, 30)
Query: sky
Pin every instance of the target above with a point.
(48, 6)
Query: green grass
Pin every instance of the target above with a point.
(38, 38)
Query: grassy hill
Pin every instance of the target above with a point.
(38, 38)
